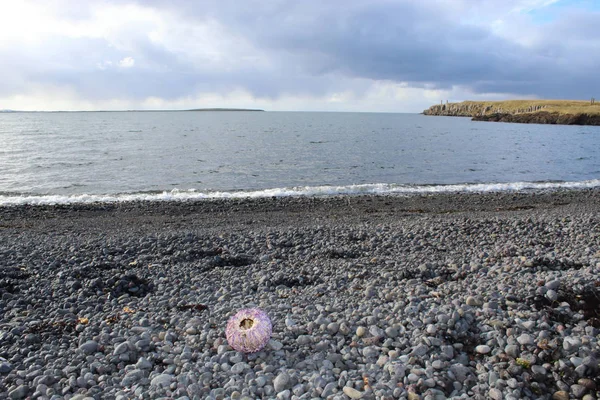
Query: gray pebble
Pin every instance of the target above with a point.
(483, 349)
(282, 382)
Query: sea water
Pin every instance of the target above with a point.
(116, 156)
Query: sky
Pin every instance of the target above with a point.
(296, 55)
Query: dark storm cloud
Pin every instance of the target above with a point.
(312, 47)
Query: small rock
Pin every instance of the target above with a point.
(587, 383)
(495, 394)
(5, 368)
(419, 351)
(483, 349)
(303, 340)
(431, 329)
(560, 395)
(18, 393)
(553, 285)
(351, 392)
(132, 377)
(525, 339)
(370, 352)
(512, 350)
(552, 295)
(121, 348)
(238, 368)
(281, 382)
(361, 331)
(370, 291)
(413, 396)
(392, 332)
(162, 380)
(333, 328)
(89, 347)
(275, 345)
(143, 363)
(460, 372)
(578, 390)
(472, 301)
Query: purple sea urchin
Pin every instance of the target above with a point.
(249, 330)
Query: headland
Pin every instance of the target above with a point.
(563, 112)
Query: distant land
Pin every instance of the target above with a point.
(561, 112)
(194, 109)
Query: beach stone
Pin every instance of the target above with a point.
(473, 302)
(162, 380)
(587, 383)
(370, 352)
(512, 350)
(553, 284)
(329, 389)
(361, 331)
(571, 344)
(275, 345)
(303, 340)
(89, 347)
(413, 396)
(431, 329)
(483, 349)
(121, 348)
(560, 395)
(419, 351)
(238, 368)
(282, 382)
(370, 291)
(333, 328)
(578, 391)
(143, 363)
(460, 372)
(551, 295)
(132, 377)
(5, 368)
(495, 394)
(32, 338)
(525, 339)
(352, 393)
(18, 393)
(392, 332)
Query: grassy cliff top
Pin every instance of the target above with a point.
(560, 106)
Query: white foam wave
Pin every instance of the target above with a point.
(377, 188)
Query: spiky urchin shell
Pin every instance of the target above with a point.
(253, 339)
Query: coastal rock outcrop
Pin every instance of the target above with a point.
(522, 111)
(542, 117)
(472, 109)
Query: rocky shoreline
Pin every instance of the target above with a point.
(542, 117)
(374, 297)
(527, 113)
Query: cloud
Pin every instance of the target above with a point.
(127, 62)
(334, 54)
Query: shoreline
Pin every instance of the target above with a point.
(448, 295)
(340, 206)
(555, 112)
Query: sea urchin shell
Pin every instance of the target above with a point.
(249, 330)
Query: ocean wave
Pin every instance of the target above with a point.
(300, 191)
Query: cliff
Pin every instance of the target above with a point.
(564, 112)
(542, 117)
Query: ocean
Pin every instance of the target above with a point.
(54, 158)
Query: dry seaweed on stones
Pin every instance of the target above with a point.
(586, 301)
(194, 307)
(232, 261)
(296, 282)
(51, 327)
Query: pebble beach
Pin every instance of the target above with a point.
(461, 295)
